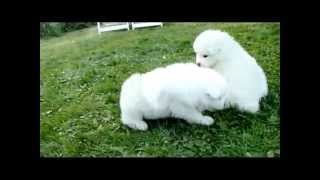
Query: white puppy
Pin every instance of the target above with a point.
(179, 90)
(246, 80)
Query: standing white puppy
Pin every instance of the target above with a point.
(178, 90)
(246, 80)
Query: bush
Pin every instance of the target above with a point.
(67, 27)
(48, 30)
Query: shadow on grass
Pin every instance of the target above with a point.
(224, 119)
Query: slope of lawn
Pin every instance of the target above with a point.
(80, 79)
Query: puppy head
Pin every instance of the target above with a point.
(210, 47)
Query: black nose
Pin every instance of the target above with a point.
(198, 64)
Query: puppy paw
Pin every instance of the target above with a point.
(251, 108)
(139, 125)
(207, 120)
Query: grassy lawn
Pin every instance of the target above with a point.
(80, 79)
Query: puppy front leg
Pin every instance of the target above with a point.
(191, 115)
(134, 120)
(251, 107)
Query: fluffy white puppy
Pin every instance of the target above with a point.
(246, 80)
(179, 90)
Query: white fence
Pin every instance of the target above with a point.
(111, 26)
(145, 24)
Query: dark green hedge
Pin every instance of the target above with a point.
(57, 29)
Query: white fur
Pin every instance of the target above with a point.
(246, 80)
(179, 90)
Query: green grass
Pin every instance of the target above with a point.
(80, 79)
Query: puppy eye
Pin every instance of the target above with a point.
(205, 56)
